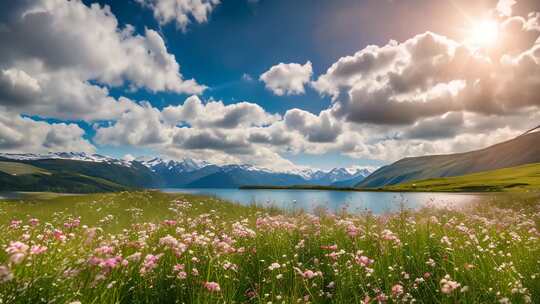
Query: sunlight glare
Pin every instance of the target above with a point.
(483, 34)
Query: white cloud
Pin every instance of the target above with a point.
(287, 79)
(69, 67)
(214, 114)
(504, 7)
(182, 12)
(430, 75)
(21, 134)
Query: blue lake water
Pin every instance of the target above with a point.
(376, 202)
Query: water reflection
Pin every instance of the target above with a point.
(334, 201)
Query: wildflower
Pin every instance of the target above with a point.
(5, 274)
(14, 224)
(447, 285)
(308, 274)
(168, 241)
(181, 275)
(149, 263)
(363, 261)
(352, 231)
(134, 257)
(388, 235)
(104, 250)
(17, 251)
(445, 240)
(431, 262)
(274, 266)
(37, 249)
(331, 247)
(33, 221)
(397, 290)
(212, 286)
(178, 267)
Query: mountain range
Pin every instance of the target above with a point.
(82, 172)
(524, 149)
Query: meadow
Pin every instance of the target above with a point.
(152, 247)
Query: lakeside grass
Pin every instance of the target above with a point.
(152, 247)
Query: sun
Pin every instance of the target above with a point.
(483, 34)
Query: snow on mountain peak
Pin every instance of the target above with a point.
(80, 156)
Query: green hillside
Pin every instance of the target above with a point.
(516, 152)
(71, 176)
(521, 178)
(13, 168)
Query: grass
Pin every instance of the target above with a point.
(151, 247)
(13, 168)
(522, 178)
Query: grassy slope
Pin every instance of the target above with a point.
(516, 152)
(13, 168)
(526, 177)
(70, 176)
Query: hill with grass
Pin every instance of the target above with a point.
(521, 178)
(521, 150)
(71, 176)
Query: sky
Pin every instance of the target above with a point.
(272, 83)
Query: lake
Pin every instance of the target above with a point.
(355, 202)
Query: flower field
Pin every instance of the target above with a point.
(151, 247)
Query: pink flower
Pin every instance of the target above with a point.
(59, 235)
(178, 267)
(388, 235)
(150, 262)
(397, 290)
(169, 222)
(308, 274)
(212, 286)
(33, 221)
(182, 275)
(352, 231)
(331, 247)
(37, 249)
(17, 247)
(168, 241)
(104, 250)
(447, 285)
(5, 274)
(72, 223)
(363, 261)
(17, 251)
(14, 224)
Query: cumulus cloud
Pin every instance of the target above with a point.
(430, 75)
(22, 134)
(182, 12)
(141, 126)
(52, 64)
(319, 129)
(215, 114)
(504, 7)
(287, 78)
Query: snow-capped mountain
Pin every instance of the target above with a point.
(184, 165)
(80, 156)
(198, 173)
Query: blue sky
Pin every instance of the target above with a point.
(361, 82)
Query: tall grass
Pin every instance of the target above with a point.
(149, 247)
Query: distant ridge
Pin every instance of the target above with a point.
(524, 149)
